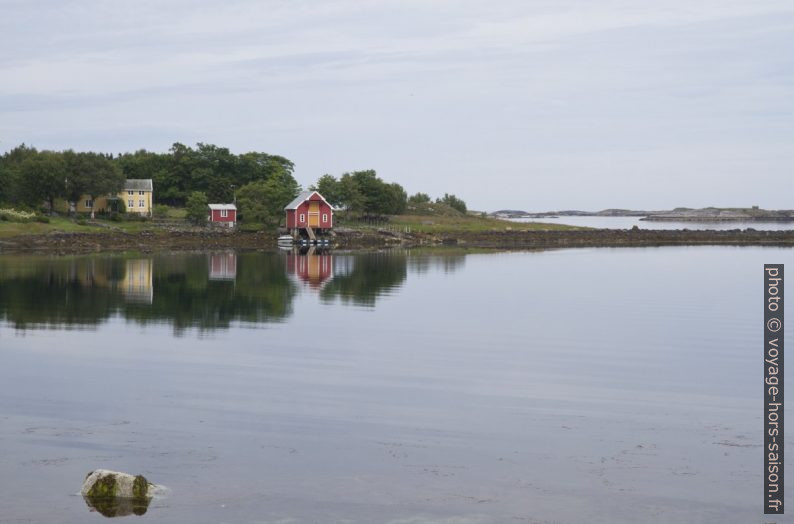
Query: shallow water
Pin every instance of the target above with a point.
(586, 385)
(629, 222)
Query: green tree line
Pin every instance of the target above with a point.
(261, 183)
(32, 177)
(364, 193)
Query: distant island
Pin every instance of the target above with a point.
(679, 214)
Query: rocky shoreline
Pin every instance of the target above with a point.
(80, 243)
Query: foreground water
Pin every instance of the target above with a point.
(589, 385)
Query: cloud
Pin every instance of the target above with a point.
(436, 95)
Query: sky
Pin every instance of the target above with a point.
(519, 104)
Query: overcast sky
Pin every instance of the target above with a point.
(537, 105)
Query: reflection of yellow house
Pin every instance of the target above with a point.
(136, 197)
(137, 283)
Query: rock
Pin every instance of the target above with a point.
(113, 493)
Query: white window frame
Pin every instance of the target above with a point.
(140, 193)
(89, 204)
(325, 218)
(141, 203)
(130, 192)
(224, 213)
(130, 203)
(302, 218)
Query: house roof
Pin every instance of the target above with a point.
(138, 184)
(301, 198)
(221, 207)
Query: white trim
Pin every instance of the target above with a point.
(302, 218)
(130, 203)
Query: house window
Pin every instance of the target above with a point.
(89, 204)
(130, 203)
(303, 218)
(224, 213)
(141, 203)
(140, 193)
(325, 218)
(130, 193)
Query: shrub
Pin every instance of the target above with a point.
(197, 208)
(160, 210)
(251, 227)
(13, 215)
(43, 219)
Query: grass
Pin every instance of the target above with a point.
(68, 225)
(463, 223)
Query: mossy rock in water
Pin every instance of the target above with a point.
(115, 494)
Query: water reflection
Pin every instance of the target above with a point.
(223, 266)
(116, 507)
(197, 290)
(311, 266)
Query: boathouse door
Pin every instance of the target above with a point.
(314, 214)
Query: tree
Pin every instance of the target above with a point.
(42, 178)
(331, 189)
(419, 198)
(453, 202)
(10, 175)
(91, 174)
(197, 208)
(263, 201)
(364, 193)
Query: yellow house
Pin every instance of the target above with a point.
(136, 197)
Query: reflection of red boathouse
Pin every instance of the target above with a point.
(313, 268)
(223, 266)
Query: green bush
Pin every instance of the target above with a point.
(15, 215)
(43, 219)
(197, 208)
(81, 222)
(251, 227)
(160, 210)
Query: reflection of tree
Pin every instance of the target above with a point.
(71, 291)
(88, 290)
(448, 263)
(372, 275)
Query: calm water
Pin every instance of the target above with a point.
(629, 222)
(589, 385)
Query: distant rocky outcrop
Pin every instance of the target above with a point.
(679, 214)
(716, 214)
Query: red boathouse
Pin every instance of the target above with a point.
(310, 212)
(224, 214)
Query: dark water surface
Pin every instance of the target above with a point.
(588, 385)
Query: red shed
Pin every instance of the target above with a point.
(223, 213)
(309, 211)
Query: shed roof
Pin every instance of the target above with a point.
(138, 184)
(302, 197)
(221, 207)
